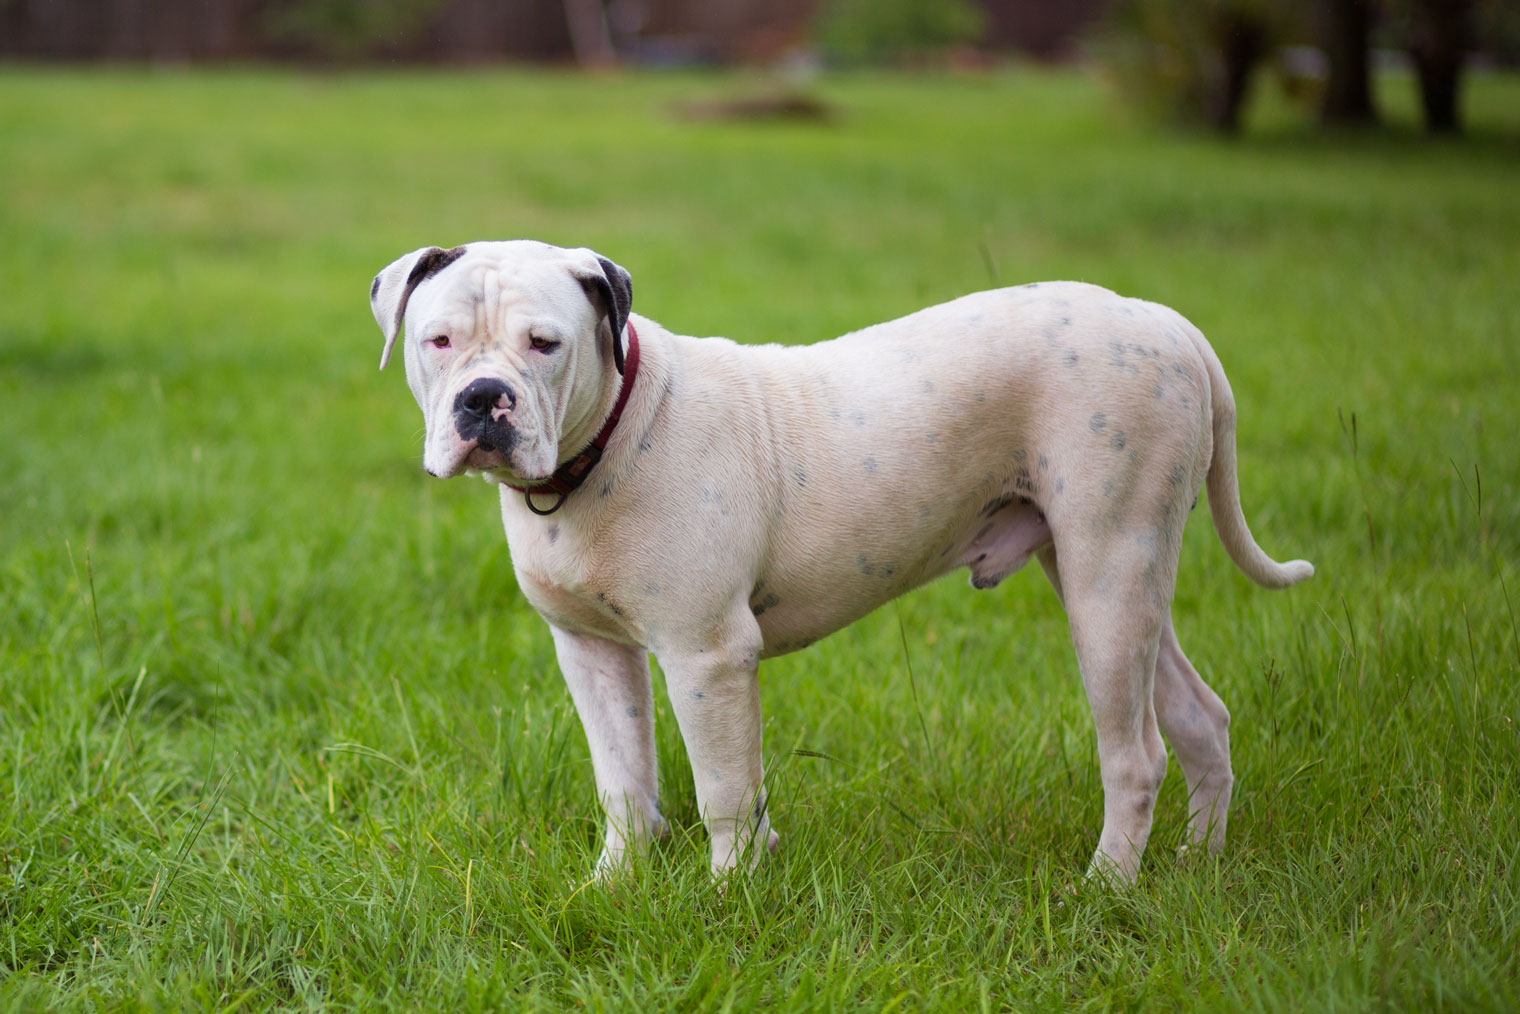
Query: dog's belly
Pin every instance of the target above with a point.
(795, 610)
(959, 437)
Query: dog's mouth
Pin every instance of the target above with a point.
(464, 456)
(485, 458)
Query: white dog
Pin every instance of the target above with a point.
(717, 504)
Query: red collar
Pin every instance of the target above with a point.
(569, 476)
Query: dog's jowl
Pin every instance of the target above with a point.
(716, 504)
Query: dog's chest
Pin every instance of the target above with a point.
(567, 580)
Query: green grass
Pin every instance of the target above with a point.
(277, 728)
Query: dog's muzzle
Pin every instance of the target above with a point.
(480, 413)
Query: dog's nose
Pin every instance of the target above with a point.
(475, 414)
(482, 396)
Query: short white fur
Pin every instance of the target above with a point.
(756, 498)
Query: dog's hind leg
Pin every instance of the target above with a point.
(1116, 590)
(1197, 725)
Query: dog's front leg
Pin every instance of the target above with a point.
(610, 686)
(716, 697)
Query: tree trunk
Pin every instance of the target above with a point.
(1243, 40)
(1440, 34)
(1440, 85)
(588, 33)
(1347, 38)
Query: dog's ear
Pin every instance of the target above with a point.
(616, 288)
(391, 289)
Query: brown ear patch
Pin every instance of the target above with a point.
(615, 286)
(428, 265)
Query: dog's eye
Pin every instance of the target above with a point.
(542, 344)
(441, 342)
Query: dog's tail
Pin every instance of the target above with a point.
(1224, 491)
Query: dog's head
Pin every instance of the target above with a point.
(509, 350)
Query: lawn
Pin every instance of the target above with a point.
(278, 730)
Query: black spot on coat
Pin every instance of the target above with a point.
(994, 505)
(770, 601)
(616, 611)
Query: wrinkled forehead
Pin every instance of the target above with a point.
(494, 281)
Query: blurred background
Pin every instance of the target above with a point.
(1186, 60)
(278, 728)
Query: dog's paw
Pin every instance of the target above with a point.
(729, 857)
(1108, 872)
(1199, 851)
(609, 867)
